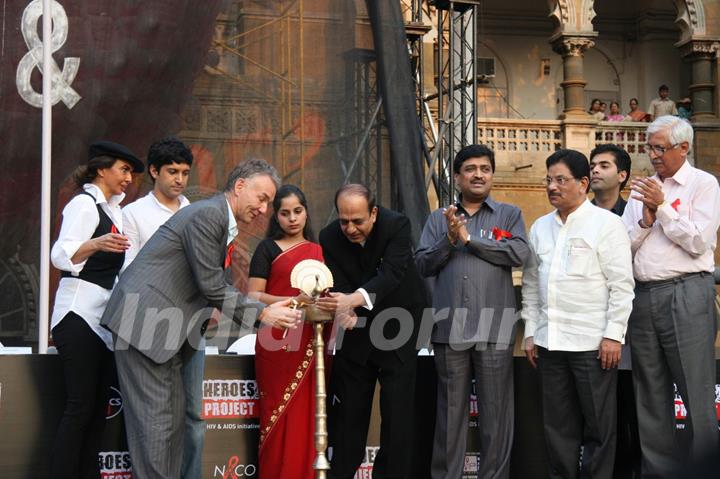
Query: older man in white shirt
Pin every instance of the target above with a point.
(577, 296)
(672, 218)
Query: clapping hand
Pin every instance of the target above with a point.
(455, 224)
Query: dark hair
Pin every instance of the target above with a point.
(614, 103)
(88, 172)
(663, 87)
(576, 162)
(634, 99)
(274, 230)
(358, 190)
(473, 151)
(167, 151)
(592, 102)
(622, 159)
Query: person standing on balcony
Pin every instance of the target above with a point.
(685, 109)
(596, 110)
(577, 295)
(615, 114)
(672, 218)
(471, 248)
(635, 114)
(610, 171)
(662, 105)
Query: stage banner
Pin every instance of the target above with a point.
(230, 407)
(32, 399)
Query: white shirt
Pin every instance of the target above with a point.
(682, 240)
(80, 220)
(232, 225)
(577, 282)
(141, 220)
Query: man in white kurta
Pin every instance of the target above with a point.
(577, 296)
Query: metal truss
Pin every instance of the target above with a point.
(456, 75)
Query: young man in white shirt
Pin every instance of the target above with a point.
(169, 162)
(577, 296)
(672, 219)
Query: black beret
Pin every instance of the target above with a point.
(114, 150)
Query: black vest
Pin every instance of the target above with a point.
(102, 267)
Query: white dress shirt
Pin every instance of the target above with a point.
(682, 240)
(142, 218)
(232, 225)
(80, 220)
(577, 283)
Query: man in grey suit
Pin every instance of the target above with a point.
(470, 248)
(159, 308)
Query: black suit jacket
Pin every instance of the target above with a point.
(385, 268)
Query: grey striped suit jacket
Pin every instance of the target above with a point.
(164, 296)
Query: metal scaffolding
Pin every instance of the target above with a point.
(284, 33)
(364, 128)
(456, 76)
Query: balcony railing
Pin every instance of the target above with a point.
(507, 135)
(521, 146)
(631, 137)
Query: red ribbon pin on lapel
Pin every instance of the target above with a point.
(675, 204)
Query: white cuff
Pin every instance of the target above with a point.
(62, 260)
(615, 332)
(366, 296)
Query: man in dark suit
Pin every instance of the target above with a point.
(379, 301)
(158, 309)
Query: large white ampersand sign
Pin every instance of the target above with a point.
(61, 80)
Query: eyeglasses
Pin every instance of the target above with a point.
(660, 150)
(559, 180)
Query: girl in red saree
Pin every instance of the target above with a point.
(284, 360)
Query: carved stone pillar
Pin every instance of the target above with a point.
(572, 48)
(701, 55)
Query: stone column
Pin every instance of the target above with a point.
(701, 55)
(572, 48)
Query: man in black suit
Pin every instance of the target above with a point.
(379, 301)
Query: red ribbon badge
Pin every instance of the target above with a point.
(675, 204)
(113, 229)
(499, 234)
(228, 256)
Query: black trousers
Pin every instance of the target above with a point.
(579, 408)
(89, 372)
(627, 459)
(350, 400)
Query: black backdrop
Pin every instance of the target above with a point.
(32, 395)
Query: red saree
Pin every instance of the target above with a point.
(284, 370)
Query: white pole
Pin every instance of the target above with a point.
(43, 323)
